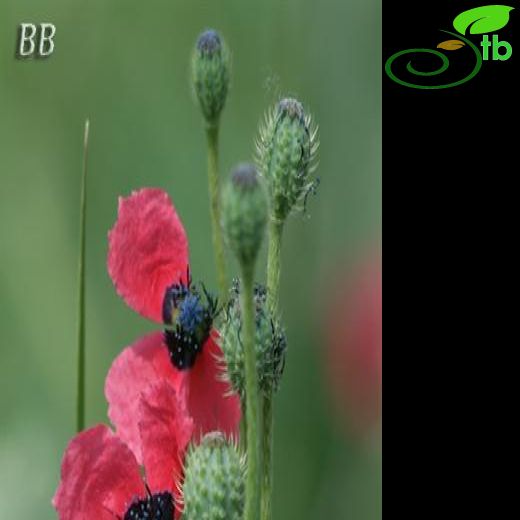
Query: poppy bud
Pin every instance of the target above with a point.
(286, 151)
(214, 480)
(210, 74)
(270, 344)
(244, 214)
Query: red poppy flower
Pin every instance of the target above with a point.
(101, 478)
(354, 330)
(148, 263)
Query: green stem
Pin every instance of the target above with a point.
(214, 198)
(80, 405)
(267, 452)
(243, 428)
(273, 289)
(252, 411)
(273, 264)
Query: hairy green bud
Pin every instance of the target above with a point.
(270, 344)
(244, 214)
(213, 487)
(286, 152)
(210, 74)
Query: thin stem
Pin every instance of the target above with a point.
(273, 289)
(273, 264)
(252, 411)
(80, 405)
(214, 198)
(267, 452)
(243, 428)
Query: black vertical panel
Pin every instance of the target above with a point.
(450, 202)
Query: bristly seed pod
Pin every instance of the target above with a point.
(210, 74)
(270, 344)
(213, 487)
(244, 214)
(286, 153)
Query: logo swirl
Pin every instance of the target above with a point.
(443, 66)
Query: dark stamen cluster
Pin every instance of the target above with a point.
(191, 313)
(155, 507)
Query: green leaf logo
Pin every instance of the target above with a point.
(481, 20)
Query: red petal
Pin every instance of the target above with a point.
(148, 250)
(144, 363)
(99, 477)
(209, 400)
(166, 429)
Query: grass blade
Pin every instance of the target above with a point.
(80, 405)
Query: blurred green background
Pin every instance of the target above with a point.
(125, 64)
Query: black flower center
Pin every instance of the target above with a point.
(155, 507)
(190, 314)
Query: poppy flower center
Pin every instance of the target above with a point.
(155, 507)
(191, 315)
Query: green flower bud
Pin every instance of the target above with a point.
(213, 486)
(270, 344)
(210, 74)
(286, 152)
(244, 214)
